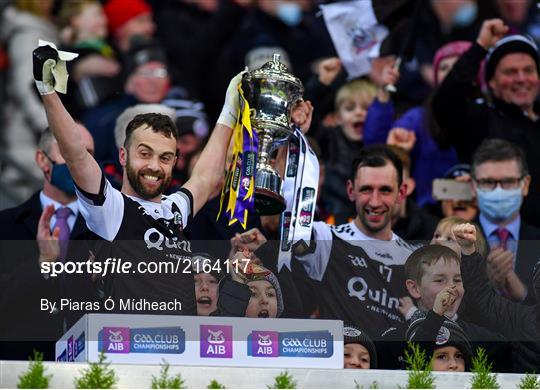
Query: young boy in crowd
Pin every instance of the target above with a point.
(206, 283)
(340, 144)
(358, 350)
(433, 279)
(435, 269)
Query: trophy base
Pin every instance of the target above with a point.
(268, 202)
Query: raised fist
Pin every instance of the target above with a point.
(328, 70)
(465, 236)
(445, 299)
(402, 138)
(44, 58)
(492, 30)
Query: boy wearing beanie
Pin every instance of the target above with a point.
(443, 340)
(358, 350)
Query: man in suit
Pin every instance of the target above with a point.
(42, 229)
(500, 181)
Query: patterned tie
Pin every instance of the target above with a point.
(62, 215)
(503, 235)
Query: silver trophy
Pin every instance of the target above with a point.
(271, 92)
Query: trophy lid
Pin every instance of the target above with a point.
(277, 70)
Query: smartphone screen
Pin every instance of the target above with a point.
(450, 189)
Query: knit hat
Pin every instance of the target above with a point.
(451, 49)
(508, 45)
(256, 272)
(450, 334)
(142, 52)
(121, 11)
(354, 335)
(208, 264)
(190, 117)
(457, 170)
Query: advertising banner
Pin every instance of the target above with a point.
(211, 341)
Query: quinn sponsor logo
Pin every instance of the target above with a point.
(310, 344)
(216, 341)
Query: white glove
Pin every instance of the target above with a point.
(229, 112)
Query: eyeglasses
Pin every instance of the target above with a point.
(508, 183)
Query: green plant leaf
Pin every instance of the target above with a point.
(529, 381)
(97, 376)
(164, 381)
(419, 368)
(214, 384)
(283, 381)
(34, 377)
(482, 376)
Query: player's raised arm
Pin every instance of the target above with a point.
(211, 165)
(84, 169)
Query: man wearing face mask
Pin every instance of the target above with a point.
(50, 212)
(501, 181)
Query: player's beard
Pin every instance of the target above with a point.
(135, 180)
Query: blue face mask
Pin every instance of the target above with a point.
(465, 15)
(499, 204)
(290, 14)
(61, 177)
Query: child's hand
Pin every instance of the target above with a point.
(405, 304)
(445, 299)
(465, 236)
(252, 240)
(402, 138)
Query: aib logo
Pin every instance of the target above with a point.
(115, 340)
(216, 341)
(264, 344)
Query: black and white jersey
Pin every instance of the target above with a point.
(140, 231)
(361, 278)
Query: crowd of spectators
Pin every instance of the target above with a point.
(391, 256)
